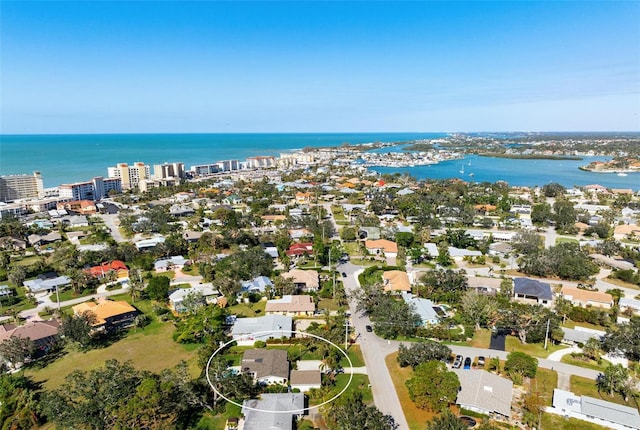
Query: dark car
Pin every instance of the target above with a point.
(467, 363)
(368, 328)
(344, 275)
(457, 362)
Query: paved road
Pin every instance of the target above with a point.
(112, 221)
(374, 350)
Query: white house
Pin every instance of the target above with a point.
(277, 325)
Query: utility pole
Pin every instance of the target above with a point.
(346, 334)
(546, 335)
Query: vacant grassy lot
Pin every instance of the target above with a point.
(248, 310)
(585, 362)
(151, 348)
(481, 338)
(534, 349)
(544, 382)
(557, 422)
(587, 387)
(416, 418)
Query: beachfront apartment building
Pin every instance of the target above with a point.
(17, 187)
(261, 162)
(168, 170)
(95, 189)
(130, 175)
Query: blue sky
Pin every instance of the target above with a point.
(162, 66)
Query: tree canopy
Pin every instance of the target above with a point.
(432, 386)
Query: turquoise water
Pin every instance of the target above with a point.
(71, 158)
(520, 172)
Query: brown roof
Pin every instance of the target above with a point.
(305, 377)
(626, 229)
(103, 310)
(585, 296)
(385, 245)
(396, 280)
(266, 362)
(307, 277)
(302, 303)
(34, 330)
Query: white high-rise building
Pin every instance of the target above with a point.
(168, 170)
(17, 187)
(95, 189)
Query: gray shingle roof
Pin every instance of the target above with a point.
(533, 288)
(485, 391)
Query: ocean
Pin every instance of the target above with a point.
(74, 158)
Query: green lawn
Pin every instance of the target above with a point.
(328, 304)
(355, 355)
(359, 383)
(248, 310)
(352, 248)
(585, 362)
(566, 240)
(151, 348)
(587, 387)
(557, 422)
(481, 338)
(69, 294)
(545, 382)
(534, 349)
(27, 261)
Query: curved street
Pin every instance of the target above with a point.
(375, 350)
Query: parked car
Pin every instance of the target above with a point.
(467, 363)
(481, 361)
(344, 275)
(368, 328)
(457, 362)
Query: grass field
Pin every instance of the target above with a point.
(587, 387)
(248, 310)
(544, 382)
(623, 284)
(416, 418)
(585, 362)
(557, 422)
(69, 294)
(151, 348)
(481, 338)
(534, 349)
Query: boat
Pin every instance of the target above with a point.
(462, 169)
(622, 174)
(472, 174)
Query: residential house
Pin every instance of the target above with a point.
(269, 326)
(117, 266)
(585, 298)
(396, 280)
(171, 263)
(266, 366)
(37, 240)
(431, 250)
(298, 250)
(44, 334)
(204, 295)
(192, 236)
(291, 305)
(581, 335)
(46, 283)
(625, 231)
(629, 305)
(482, 285)
(270, 249)
(484, 392)
(258, 285)
(304, 280)
(299, 233)
(389, 248)
(423, 307)
(149, 243)
(270, 411)
(5, 291)
(532, 290)
(607, 414)
(109, 314)
(305, 380)
(11, 243)
(459, 253)
(75, 221)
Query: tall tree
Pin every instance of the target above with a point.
(351, 413)
(447, 421)
(16, 350)
(478, 308)
(77, 328)
(432, 386)
(422, 352)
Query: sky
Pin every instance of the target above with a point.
(311, 66)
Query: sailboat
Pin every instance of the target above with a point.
(462, 169)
